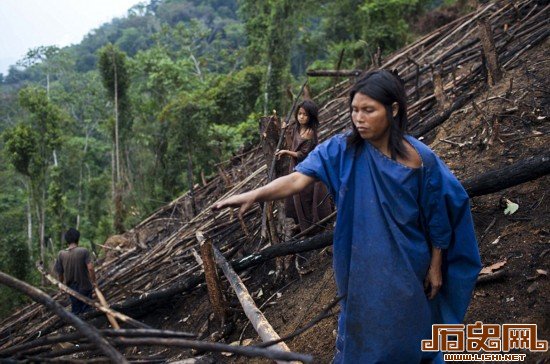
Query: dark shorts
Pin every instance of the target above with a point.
(78, 307)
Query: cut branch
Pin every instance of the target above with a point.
(105, 304)
(248, 351)
(256, 317)
(334, 73)
(212, 279)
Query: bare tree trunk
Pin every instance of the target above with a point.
(118, 218)
(54, 158)
(48, 85)
(119, 221)
(117, 153)
(81, 177)
(266, 93)
(29, 221)
(197, 67)
(190, 181)
(42, 227)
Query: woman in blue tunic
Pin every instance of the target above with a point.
(405, 252)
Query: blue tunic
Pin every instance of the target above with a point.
(388, 215)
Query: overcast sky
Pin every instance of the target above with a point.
(26, 24)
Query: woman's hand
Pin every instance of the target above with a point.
(244, 201)
(433, 282)
(282, 152)
(290, 153)
(434, 277)
(275, 190)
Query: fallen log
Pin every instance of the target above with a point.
(50, 340)
(248, 351)
(292, 247)
(89, 331)
(496, 180)
(441, 117)
(256, 317)
(334, 73)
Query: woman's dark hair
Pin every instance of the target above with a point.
(72, 236)
(385, 87)
(312, 112)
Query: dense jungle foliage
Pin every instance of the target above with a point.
(99, 134)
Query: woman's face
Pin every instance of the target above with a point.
(303, 117)
(369, 117)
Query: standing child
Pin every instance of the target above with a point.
(312, 204)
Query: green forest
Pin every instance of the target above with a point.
(100, 134)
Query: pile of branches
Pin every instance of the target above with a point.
(442, 72)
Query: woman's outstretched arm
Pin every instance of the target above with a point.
(280, 188)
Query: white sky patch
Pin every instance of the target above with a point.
(26, 24)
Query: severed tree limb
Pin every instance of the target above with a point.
(98, 360)
(292, 247)
(54, 339)
(441, 117)
(47, 341)
(108, 311)
(66, 351)
(256, 317)
(89, 331)
(334, 73)
(498, 179)
(249, 351)
(219, 306)
(105, 304)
